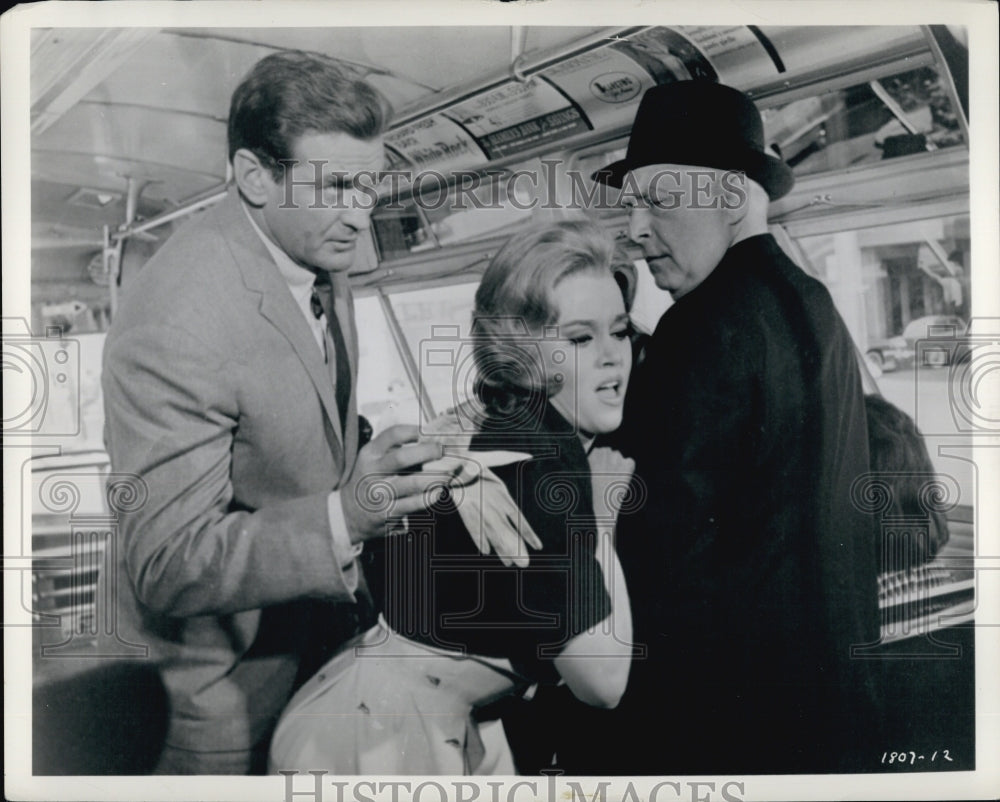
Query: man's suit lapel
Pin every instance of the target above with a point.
(261, 276)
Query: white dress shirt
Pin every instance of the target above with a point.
(300, 283)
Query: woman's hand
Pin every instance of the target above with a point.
(610, 476)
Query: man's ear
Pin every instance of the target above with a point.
(253, 178)
(752, 216)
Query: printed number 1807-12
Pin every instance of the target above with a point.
(913, 757)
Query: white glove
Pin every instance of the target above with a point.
(487, 509)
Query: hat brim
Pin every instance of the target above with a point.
(771, 173)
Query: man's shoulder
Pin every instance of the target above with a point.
(198, 239)
(780, 303)
(757, 296)
(765, 284)
(775, 264)
(191, 270)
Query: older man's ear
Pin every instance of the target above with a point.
(749, 218)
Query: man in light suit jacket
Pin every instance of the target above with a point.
(230, 392)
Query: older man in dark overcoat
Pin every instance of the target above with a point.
(751, 571)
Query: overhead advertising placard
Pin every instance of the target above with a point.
(435, 142)
(667, 56)
(737, 54)
(517, 116)
(597, 89)
(394, 160)
(605, 83)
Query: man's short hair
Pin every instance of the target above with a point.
(291, 93)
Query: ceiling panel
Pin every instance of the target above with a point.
(171, 184)
(177, 70)
(161, 141)
(182, 73)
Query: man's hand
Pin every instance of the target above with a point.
(386, 482)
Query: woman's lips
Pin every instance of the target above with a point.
(611, 391)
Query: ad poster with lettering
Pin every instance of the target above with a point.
(434, 142)
(736, 51)
(667, 56)
(518, 116)
(606, 83)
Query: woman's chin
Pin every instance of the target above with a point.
(603, 425)
(588, 425)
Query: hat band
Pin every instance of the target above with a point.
(743, 159)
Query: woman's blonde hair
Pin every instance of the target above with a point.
(516, 301)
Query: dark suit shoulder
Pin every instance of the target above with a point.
(755, 297)
(771, 270)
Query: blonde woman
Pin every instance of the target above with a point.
(460, 629)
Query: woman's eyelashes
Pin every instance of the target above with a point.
(621, 332)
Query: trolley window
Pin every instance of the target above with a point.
(902, 114)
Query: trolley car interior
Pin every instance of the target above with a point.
(128, 139)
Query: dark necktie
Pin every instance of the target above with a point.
(321, 302)
(316, 304)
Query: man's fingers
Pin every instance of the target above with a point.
(409, 456)
(394, 436)
(457, 470)
(419, 484)
(467, 473)
(408, 505)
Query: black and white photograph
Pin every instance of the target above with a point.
(500, 401)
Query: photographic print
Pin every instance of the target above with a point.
(500, 401)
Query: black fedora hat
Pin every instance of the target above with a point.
(704, 124)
